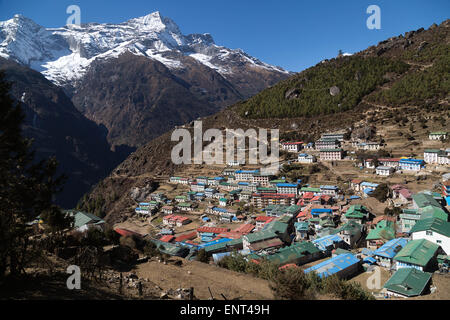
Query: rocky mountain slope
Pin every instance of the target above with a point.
(206, 76)
(420, 54)
(60, 130)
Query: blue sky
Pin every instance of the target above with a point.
(294, 34)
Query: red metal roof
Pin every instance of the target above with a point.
(166, 238)
(212, 230)
(263, 218)
(244, 228)
(125, 232)
(187, 236)
(288, 266)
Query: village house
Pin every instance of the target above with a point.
(383, 232)
(173, 220)
(355, 184)
(301, 230)
(84, 221)
(143, 209)
(369, 163)
(389, 162)
(408, 218)
(179, 180)
(306, 158)
(281, 210)
(408, 282)
(368, 187)
(384, 171)
(386, 253)
(261, 200)
(261, 179)
(331, 191)
(209, 233)
(331, 154)
(351, 233)
(434, 230)
(439, 135)
(167, 209)
(245, 175)
(436, 156)
(420, 254)
(328, 243)
(298, 253)
(185, 206)
(344, 266)
(401, 193)
(235, 163)
(411, 164)
(245, 196)
(327, 144)
(292, 146)
(261, 221)
(252, 239)
(287, 188)
(334, 135)
(358, 213)
(228, 172)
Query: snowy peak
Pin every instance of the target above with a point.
(64, 54)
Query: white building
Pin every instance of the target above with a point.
(306, 158)
(292, 146)
(437, 135)
(434, 230)
(384, 171)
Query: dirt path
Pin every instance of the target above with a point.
(201, 276)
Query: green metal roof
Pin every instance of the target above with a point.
(432, 224)
(423, 200)
(408, 282)
(82, 218)
(309, 189)
(352, 226)
(292, 253)
(260, 236)
(276, 226)
(418, 252)
(357, 211)
(383, 230)
(432, 212)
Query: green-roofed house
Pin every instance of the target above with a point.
(84, 221)
(432, 212)
(299, 253)
(408, 282)
(422, 200)
(226, 246)
(351, 232)
(419, 254)
(280, 228)
(281, 210)
(358, 213)
(437, 135)
(256, 237)
(434, 230)
(408, 218)
(383, 232)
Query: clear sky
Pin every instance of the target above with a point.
(293, 34)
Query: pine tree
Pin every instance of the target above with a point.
(26, 188)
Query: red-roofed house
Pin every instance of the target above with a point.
(261, 221)
(245, 228)
(187, 236)
(166, 238)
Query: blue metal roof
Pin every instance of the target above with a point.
(292, 185)
(329, 187)
(324, 242)
(334, 265)
(316, 212)
(369, 184)
(391, 248)
(220, 209)
(369, 260)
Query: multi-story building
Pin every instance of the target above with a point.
(331, 154)
(327, 143)
(245, 175)
(384, 171)
(411, 164)
(287, 188)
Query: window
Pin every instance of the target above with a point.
(429, 233)
(438, 241)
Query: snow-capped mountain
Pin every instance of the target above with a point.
(64, 54)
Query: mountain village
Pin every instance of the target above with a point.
(322, 228)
